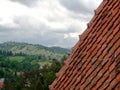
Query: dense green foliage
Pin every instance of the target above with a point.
(5, 53)
(12, 64)
(33, 78)
(23, 71)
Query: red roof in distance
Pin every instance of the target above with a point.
(1, 84)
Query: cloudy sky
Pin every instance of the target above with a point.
(46, 22)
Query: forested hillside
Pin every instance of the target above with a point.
(29, 67)
(34, 49)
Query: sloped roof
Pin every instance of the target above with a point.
(94, 63)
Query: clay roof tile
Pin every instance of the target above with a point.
(94, 63)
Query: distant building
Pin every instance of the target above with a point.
(1, 83)
(19, 73)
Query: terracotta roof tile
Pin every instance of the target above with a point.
(94, 63)
(1, 84)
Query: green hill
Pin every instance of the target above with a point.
(34, 49)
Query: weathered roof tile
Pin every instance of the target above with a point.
(94, 63)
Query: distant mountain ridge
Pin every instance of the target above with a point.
(34, 49)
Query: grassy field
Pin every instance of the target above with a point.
(34, 61)
(16, 58)
(43, 63)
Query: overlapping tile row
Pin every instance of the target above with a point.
(94, 63)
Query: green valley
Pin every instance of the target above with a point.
(20, 63)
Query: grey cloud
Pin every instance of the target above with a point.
(76, 6)
(6, 34)
(4, 29)
(53, 39)
(82, 17)
(48, 38)
(26, 2)
(41, 34)
(70, 29)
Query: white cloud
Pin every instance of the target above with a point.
(42, 18)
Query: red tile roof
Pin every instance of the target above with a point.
(94, 63)
(1, 84)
